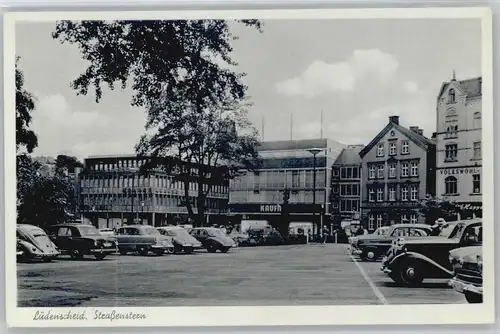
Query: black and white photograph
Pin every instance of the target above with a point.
(340, 160)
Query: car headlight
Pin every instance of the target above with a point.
(33, 249)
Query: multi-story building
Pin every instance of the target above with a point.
(113, 192)
(346, 185)
(398, 169)
(257, 196)
(459, 158)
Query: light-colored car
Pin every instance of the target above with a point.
(107, 232)
(33, 243)
(142, 239)
(181, 239)
(213, 239)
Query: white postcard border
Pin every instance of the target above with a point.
(259, 315)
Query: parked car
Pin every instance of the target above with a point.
(467, 263)
(181, 239)
(33, 243)
(79, 240)
(371, 247)
(143, 239)
(417, 259)
(212, 239)
(107, 231)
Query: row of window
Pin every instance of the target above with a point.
(147, 201)
(451, 151)
(280, 179)
(405, 148)
(451, 185)
(346, 189)
(406, 194)
(407, 170)
(141, 181)
(377, 220)
(347, 205)
(272, 196)
(348, 172)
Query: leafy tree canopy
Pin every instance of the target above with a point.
(25, 105)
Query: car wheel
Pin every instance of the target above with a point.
(410, 274)
(76, 254)
(170, 250)
(159, 252)
(211, 249)
(225, 249)
(143, 250)
(369, 255)
(473, 298)
(188, 250)
(100, 257)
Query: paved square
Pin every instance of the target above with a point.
(284, 275)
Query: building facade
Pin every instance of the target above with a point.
(114, 192)
(459, 139)
(258, 195)
(398, 170)
(346, 185)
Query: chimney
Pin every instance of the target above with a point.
(394, 119)
(420, 132)
(414, 128)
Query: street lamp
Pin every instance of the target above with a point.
(314, 152)
(142, 208)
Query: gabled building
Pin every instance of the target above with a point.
(458, 139)
(398, 170)
(345, 195)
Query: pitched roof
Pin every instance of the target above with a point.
(471, 87)
(420, 140)
(349, 156)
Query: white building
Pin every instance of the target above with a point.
(458, 157)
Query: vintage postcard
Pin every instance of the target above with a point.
(249, 168)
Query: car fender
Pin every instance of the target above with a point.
(28, 246)
(417, 256)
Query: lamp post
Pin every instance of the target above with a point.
(314, 152)
(142, 208)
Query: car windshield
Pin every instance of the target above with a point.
(380, 231)
(151, 231)
(446, 231)
(177, 232)
(214, 233)
(88, 230)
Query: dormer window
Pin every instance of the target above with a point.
(451, 96)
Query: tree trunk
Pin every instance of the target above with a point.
(187, 203)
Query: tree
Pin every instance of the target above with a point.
(173, 57)
(65, 163)
(433, 208)
(208, 141)
(183, 74)
(25, 105)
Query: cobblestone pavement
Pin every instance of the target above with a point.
(284, 275)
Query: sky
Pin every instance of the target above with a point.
(356, 73)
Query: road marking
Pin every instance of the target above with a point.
(372, 285)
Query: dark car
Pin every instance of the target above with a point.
(181, 239)
(142, 239)
(370, 247)
(417, 259)
(79, 240)
(33, 244)
(213, 239)
(467, 263)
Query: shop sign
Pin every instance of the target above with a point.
(459, 171)
(270, 208)
(470, 206)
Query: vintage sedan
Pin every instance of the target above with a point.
(417, 259)
(371, 247)
(34, 244)
(78, 240)
(213, 239)
(183, 242)
(467, 263)
(142, 239)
